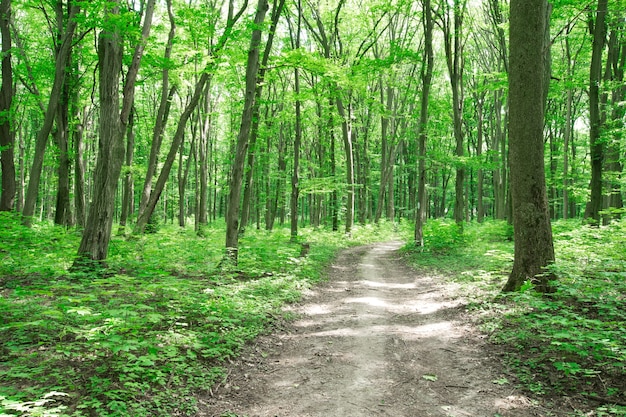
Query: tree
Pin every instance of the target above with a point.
(528, 84)
(62, 56)
(597, 27)
(426, 75)
(453, 45)
(114, 121)
(7, 133)
(252, 69)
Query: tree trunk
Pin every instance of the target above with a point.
(426, 75)
(614, 167)
(162, 116)
(252, 69)
(598, 31)
(51, 111)
(295, 176)
(79, 172)
(453, 46)
(527, 85)
(128, 183)
(94, 244)
(203, 154)
(254, 130)
(346, 131)
(95, 241)
(7, 133)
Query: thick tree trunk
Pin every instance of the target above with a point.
(113, 123)
(95, 241)
(7, 134)
(527, 85)
(252, 69)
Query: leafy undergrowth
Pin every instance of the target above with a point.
(147, 335)
(569, 343)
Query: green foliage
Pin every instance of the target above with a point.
(150, 333)
(572, 341)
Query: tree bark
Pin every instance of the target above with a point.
(527, 86)
(254, 129)
(51, 112)
(426, 75)
(63, 215)
(346, 132)
(163, 111)
(295, 188)
(7, 132)
(79, 172)
(598, 30)
(252, 69)
(94, 244)
(453, 46)
(128, 183)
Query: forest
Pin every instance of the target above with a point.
(174, 172)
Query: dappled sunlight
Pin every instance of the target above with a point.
(443, 329)
(387, 285)
(318, 309)
(513, 402)
(370, 301)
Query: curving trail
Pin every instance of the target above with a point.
(378, 339)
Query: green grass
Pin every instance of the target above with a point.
(149, 334)
(571, 342)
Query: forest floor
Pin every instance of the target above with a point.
(377, 339)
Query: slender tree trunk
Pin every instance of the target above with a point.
(203, 153)
(163, 111)
(346, 131)
(128, 184)
(295, 189)
(252, 69)
(615, 60)
(63, 214)
(51, 111)
(453, 46)
(254, 130)
(7, 132)
(480, 206)
(427, 73)
(527, 87)
(79, 172)
(598, 31)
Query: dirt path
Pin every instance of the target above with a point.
(378, 339)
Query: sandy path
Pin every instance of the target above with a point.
(378, 339)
